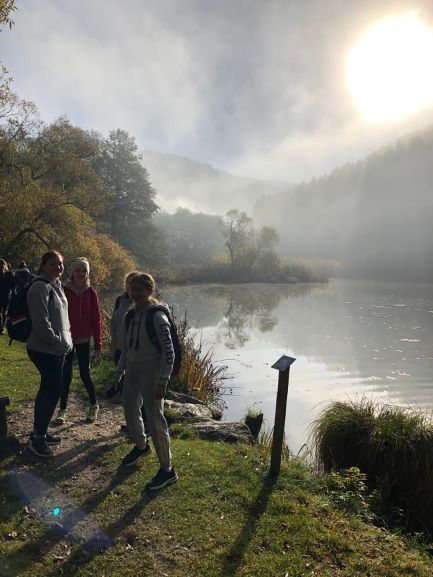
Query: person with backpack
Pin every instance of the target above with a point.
(49, 341)
(7, 286)
(85, 320)
(23, 276)
(147, 365)
(122, 305)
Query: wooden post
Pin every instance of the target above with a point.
(283, 367)
(4, 401)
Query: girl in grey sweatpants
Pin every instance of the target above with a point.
(147, 368)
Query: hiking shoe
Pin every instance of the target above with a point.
(61, 417)
(40, 448)
(135, 454)
(92, 413)
(162, 479)
(49, 439)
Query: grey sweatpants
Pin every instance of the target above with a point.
(139, 390)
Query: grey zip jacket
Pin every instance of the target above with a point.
(48, 309)
(137, 348)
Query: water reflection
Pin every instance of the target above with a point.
(349, 337)
(249, 307)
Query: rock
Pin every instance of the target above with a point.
(176, 412)
(217, 413)
(230, 432)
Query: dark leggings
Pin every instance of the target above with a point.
(50, 368)
(3, 311)
(82, 351)
(117, 354)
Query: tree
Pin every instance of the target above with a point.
(6, 7)
(192, 238)
(131, 196)
(237, 232)
(245, 245)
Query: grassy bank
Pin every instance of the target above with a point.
(393, 446)
(221, 272)
(224, 517)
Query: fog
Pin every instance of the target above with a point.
(243, 105)
(256, 89)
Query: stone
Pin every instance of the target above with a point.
(177, 412)
(217, 413)
(230, 432)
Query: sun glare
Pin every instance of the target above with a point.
(390, 69)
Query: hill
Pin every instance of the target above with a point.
(374, 216)
(186, 183)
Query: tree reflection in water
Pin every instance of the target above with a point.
(251, 306)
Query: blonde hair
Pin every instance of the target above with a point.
(3, 265)
(145, 279)
(129, 276)
(48, 256)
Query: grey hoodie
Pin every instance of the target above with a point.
(137, 348)
(48, 309)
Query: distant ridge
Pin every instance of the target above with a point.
(181, 181)
(374, 215)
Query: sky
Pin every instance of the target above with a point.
(254, 87)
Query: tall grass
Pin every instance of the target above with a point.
(199, 376)
(392, 445)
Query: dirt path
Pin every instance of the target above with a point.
(81, 442)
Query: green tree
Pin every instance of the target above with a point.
(237, 231)
(128, 216)
(245, 245)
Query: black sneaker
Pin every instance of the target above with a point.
(135, 454)
(49, 439)
(162, 479)
(40, 448)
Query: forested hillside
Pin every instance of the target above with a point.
(66, 188)
(375, 216)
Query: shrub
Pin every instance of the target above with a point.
(393, 446)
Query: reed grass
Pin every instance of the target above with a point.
(392, 445)
(199, 376)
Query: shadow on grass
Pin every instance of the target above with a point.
(236, 555)
(74, 526)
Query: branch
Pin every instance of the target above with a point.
(22, 233)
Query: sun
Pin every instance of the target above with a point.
(389, 70)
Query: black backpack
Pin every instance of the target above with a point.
(19, 323)
(150, 328)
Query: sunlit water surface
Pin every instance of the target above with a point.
(350, 339)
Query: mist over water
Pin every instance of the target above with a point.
(350, 338)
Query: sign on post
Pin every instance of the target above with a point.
(283, 366)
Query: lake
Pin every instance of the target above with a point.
(350, 339)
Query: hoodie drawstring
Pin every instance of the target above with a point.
(137, 342)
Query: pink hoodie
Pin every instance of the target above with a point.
(84, 314)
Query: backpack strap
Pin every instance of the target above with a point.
(41, 279)
(128, 317)
(117, 303)
(150, 325)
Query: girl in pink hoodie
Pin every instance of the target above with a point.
(85, 319)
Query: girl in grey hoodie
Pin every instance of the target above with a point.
(50, 340)
(147, 371)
